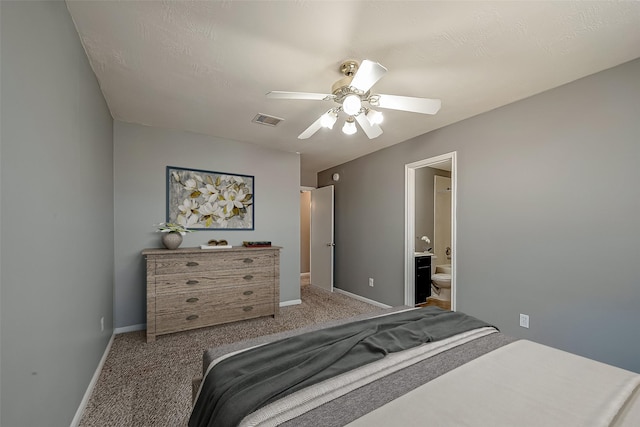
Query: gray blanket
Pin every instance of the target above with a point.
(243, 383)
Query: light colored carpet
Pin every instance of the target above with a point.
(150, 384)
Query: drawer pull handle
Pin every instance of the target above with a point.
(192, 317)
(247, 308)
(247, 293)
(248, 277)
(192, 282)
(192, 264)
(193, 300)
(248, 260)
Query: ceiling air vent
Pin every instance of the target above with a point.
(263, 119)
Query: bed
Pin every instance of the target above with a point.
(424, 366)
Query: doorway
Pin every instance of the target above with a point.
(445, 162)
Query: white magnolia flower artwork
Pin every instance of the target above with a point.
(205, 200)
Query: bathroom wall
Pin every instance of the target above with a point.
(424, 218)
(442, 243)
(542, 230)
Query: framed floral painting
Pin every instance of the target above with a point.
(207, 200)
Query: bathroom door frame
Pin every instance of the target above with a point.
(410, 224)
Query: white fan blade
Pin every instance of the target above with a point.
(368, 74)
(315, 126)
(409, 103)
(372, 131)
(277, 94)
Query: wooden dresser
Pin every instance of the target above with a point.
(191, 288)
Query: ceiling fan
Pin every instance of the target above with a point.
(353, 95)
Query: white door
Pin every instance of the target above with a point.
(322, 237)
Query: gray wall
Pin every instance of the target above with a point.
(308, 179)
(141, 155)
(57, 217)
(548, 208)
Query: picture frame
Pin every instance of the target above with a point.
(209, 200)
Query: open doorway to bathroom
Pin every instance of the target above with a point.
(430, 222)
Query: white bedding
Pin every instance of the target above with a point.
(522, 384)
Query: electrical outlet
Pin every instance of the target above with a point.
(524, 320)
(102, 323)
(371, 282)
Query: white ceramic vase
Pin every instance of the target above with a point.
(172, 240)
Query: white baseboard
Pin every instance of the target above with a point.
(290, 302)
(87, 394)
(305, 274)
(358, 297)
(131, 328)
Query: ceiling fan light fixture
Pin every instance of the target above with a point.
(351, 104)
(349, 127)
(352, 95)
(328, 119)
(374, 117)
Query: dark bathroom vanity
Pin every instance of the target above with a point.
(423, 278)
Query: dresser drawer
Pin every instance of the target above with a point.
(171, 283)
(197, 301)
(177, 313)
(205, 262)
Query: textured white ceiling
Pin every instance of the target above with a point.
(205, 66)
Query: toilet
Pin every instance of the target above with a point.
(441, 282)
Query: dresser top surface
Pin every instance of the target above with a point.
(197, 250)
